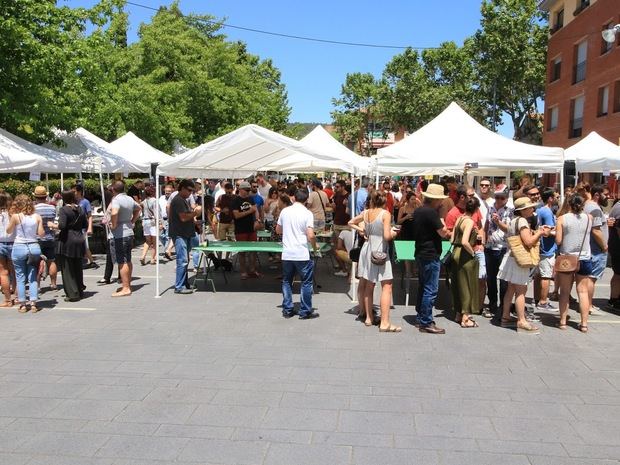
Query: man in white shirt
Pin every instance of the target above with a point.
(296, 224)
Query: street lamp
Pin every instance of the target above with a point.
(609, 35)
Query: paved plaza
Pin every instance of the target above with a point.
(222, 378)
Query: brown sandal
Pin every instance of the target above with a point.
(6, 304)
(22, 309)
(583, 328)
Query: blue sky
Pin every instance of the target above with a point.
(314, 72)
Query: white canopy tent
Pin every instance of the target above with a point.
(134, 148)
(89, 148)
(594, 154)
(19, 155)
(319, 140)
(112, 161)
(249, 149)
(452, 139)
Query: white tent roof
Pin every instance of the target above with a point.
(594, 154)
(452, 139)
(134, 148)
(322, 141)
(112, 161)
(88, 146)
(19, 155)
(244, 151)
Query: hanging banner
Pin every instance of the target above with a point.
(35, 176)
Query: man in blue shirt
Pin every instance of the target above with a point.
(548, 248)
(361, 195)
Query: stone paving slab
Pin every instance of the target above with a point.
(221, 379)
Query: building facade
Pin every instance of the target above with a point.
(583, 72)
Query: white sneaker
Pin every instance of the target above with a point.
(341, 273)
(594, 310)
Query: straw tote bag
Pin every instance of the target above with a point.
(525, 258)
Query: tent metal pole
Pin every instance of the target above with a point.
(353, 288)
(62, 182)
(47, 183)
(157, 221)
(562, 184)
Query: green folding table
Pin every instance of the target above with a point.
(405, 251)
(246, 246)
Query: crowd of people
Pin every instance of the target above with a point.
(490, 228)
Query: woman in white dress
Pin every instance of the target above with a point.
(516, 276)
(378, 232)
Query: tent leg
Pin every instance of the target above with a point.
(562, 184)
(62, 182)
(157, 294)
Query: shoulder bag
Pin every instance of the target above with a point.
(448, 259)
(567, 263)
(379, 257)
(525, 257)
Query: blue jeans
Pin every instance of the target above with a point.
(428, 287)
(182, 247)
(24, 272)
(195, 242)
(305, 269)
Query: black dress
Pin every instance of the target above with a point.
(70, 250)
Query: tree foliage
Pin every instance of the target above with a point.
(181, 80)
(501, 68)
(509, 55)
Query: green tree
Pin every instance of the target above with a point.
(356, 109)
(509, 56)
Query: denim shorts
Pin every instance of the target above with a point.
(5, 249)
(585, 268)
(599, 263)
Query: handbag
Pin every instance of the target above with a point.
(525, 257)
(566, 263)
(448, 259)
(376, 257)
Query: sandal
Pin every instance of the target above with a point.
(486, 313)
(562, 326)
(582, 328)
(255, 274)
(22, 309)
(528, 328)
(466, 323)
(244, 276)
(143, 261)
(34, 308)
(6, 304)
(391, 329)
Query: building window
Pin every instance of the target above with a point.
(581, 55)
(606, 46)
(559, 21)
(603, 101)
(553, 119)
(556, 70)
(581, 5)
(576, 120)
(617, 97)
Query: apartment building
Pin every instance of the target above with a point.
(583, 72)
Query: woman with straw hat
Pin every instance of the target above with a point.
(516, 276)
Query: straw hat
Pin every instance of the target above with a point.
(523, 202)
(40, 191)
(434, 191)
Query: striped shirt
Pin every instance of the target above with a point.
(47, 213)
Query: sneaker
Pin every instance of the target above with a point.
(183, 291)
(531, 316)
(341, 273)
(546, 306)
(594, 310)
